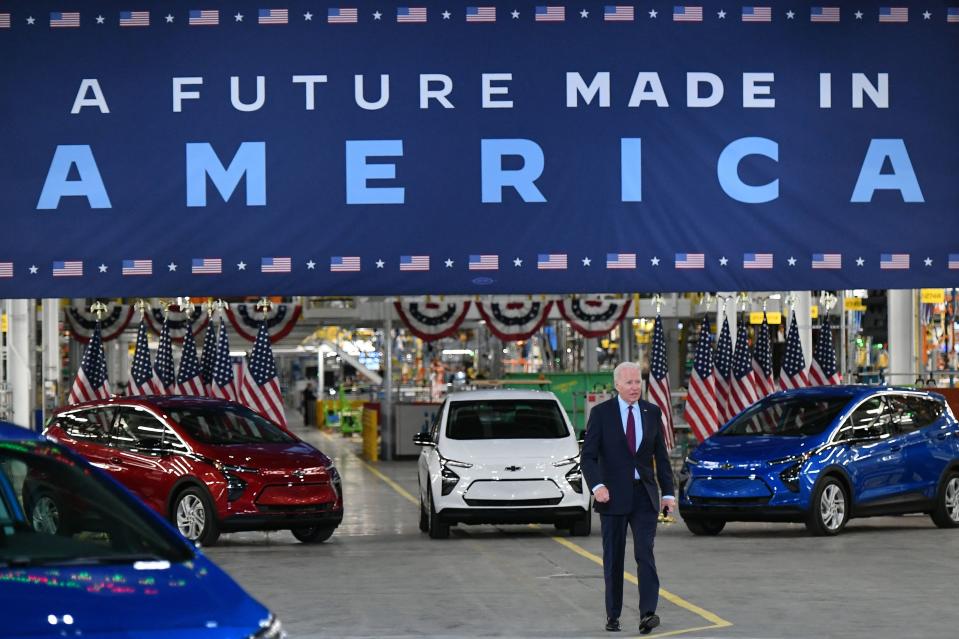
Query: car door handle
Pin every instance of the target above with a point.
(116, 460)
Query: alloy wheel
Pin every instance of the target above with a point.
(190, 517)
(832, 507)
(46, 516)
(952, 499)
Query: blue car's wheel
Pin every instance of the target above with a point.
(709, 527)
(829, 511)
(946, 514)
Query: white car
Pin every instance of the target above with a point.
(501, 457)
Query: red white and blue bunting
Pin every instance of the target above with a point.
(280, 320)
(177, 321)
(430, 320)
(81, 322)
(593, 316)
(514, 319)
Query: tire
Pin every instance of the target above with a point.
(313, 534)
(705, 527)
(581, 526)
(946, 514)
(424, 518)
(562, 524)
(437, 528)
(194, 516)
(830, 507)
(46, 515)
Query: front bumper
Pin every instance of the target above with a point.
(510, 515)
(281, 520)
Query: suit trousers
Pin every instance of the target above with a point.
(642, 521)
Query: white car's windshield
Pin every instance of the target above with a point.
(506, 419)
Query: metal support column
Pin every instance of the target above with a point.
(388, 428)
(20, 362)
(803, 311)
(902, 361)
(51, 354)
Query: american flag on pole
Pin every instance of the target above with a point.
(484, 262)
(827, 260)
(134, 18)
(414, 262)
(687, 14)
(723, 370)
(164, 363)
(276, 264)
(701, 411)
(411, 14)
(546, 261)
(893, 14)
(69, 268)
(273, 16)
(481, 14)
(823, 370)
(261, 386)
(763, 362)
(894, 261)
(137, 267)
(757, 14)
(618, 13)
(953, 261)
(143, 380)
(206, 266)
(620, 260)
(204, 17)
(339, 264)
(824, 14)
(62, 19)
(757, 260)
(658, 388)
(6, 269)
(793, 372)
(222, 385)
(188, 380)
(91, 381)
(690, 260)
(550, 13)
(743, 393)
(208, 358)
(341, 15)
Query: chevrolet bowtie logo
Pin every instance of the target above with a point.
(513, 469)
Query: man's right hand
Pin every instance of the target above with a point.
(602, 494)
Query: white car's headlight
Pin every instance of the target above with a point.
(566, 462)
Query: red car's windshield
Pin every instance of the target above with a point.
(234, 425)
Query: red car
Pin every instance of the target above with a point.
(208, 465)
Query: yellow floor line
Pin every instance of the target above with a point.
(715, 620)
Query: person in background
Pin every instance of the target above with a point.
(309, 405)
(623, 440)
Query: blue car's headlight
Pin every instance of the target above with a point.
(788, 460)
(790, 476)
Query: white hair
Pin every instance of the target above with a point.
(622, 367)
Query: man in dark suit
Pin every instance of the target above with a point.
(623, 438)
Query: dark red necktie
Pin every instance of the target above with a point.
(631, 429)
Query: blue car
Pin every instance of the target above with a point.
(81, 557)
(823, 455)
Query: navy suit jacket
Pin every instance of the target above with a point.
(606, 458)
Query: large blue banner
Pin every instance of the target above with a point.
(231, 148)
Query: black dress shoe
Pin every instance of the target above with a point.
(649, 621)
(612, 624)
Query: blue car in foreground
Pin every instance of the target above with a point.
(81, 557)
(823, 455)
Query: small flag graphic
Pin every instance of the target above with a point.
(72, 268)
(893, 14)
(134, 18)
(414, 262)
(826, 260)
(757, 14)
(61, 19)
(547, 261)
(200, 17)
(4, 20)
(954, 261)
(550, 14)
(276, 264)
(207, 266)
(411, 14)
(620, 260)
(6, 269)
(618, 14)
(758, 260)
(687, 14)
(341, 15)
(894, 261)
(824, 14)
(952, 14)
(481, 14)
(273, 16)
(690, 260)
(340, 264)
(137, 267)
(484, 262)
